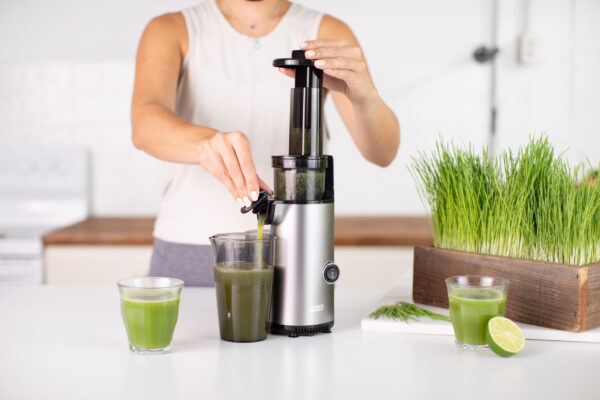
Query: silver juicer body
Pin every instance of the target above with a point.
(303, 302)
(301, 213)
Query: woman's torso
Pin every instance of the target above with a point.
(229, 85)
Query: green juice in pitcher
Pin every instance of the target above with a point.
(470, 310)
(243, 300)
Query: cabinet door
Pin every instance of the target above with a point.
(586, 74)
(94, 265)
(559, 93)
(420, 54)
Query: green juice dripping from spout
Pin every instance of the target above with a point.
(259, 236)
(261, 225)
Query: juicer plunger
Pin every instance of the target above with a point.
(301, 213)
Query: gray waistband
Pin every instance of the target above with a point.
(194, 264)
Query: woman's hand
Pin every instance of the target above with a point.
(227, 156)
(371, 123)
(344, 67)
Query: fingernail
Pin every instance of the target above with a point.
(319, 63)
(309, 53)
(254, 195)
(303, 44)
(240, 201)
(247, 202)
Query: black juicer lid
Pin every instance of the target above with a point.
(298, 60)
(306, 74)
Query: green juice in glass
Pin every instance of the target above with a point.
(470, 310)
(150, 321)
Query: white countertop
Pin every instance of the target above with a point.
(68, 342)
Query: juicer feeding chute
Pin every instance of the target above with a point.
(306, 105)
(301, 212)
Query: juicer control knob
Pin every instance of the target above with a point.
(331, 273)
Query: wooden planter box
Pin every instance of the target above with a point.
(545, 294)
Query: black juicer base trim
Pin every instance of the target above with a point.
(295, 331)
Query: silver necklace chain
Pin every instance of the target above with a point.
(252, 25)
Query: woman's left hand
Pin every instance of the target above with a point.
(344, 67)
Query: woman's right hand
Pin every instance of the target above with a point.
(227, 156)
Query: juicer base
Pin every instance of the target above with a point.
(295, 331)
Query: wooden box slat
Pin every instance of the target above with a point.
(551, 295)
(593, 295)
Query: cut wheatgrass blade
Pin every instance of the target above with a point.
(403, 311)
(504, 337)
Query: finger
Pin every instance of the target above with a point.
(315, 44)
(342, 74)
(341, 63)
(334, 51)
(217, 168)
(232, 189)
(234, 170)
(230, 185)
(241, 146)
(264, 186)
(288, 71)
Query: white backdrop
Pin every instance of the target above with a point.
(66, 74)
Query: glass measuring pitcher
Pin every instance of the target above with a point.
(243, 281)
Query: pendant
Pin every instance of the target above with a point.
(256, 44)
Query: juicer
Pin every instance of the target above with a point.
(301, 213)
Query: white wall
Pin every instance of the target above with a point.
(66, 76)
(66, 73)
(419, 53)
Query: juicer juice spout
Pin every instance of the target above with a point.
(262, 206)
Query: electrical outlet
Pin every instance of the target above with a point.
(528, 50)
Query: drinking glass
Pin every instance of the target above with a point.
(473, 301)
(150, 307)
(243, 281)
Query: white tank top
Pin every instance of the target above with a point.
(229, 85)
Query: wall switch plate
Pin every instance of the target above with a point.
(528, 53)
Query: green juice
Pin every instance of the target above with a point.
(150, 321)
(243, 300)
(470, 310)
(259, 236)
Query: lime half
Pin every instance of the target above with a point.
(504, 337)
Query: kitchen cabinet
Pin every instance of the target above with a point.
(372, 251)
(98, 251)
(94, 264)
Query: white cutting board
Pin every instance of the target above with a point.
(432, 327)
